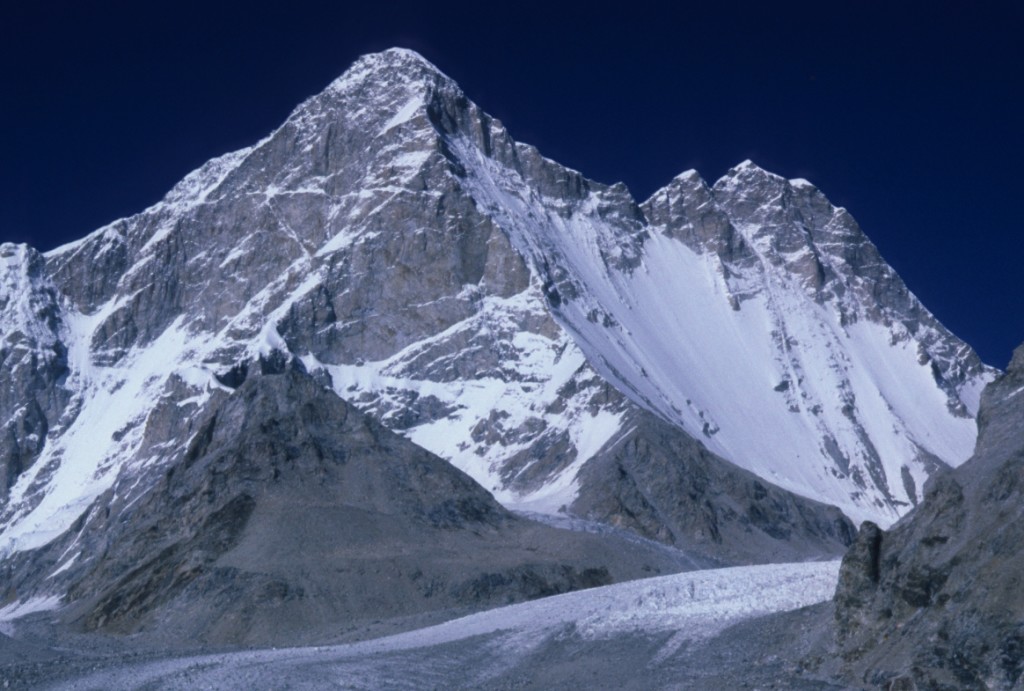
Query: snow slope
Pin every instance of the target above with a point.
(826, 390)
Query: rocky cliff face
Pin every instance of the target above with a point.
(493, 307)
(33, 359)
(937, 601)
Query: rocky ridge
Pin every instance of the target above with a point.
(661, 483)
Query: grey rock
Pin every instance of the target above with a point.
(858, 579)
(33, 361)
(937, 601)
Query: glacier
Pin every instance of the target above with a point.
(479, 650)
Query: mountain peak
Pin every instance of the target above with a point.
(383, 66)
(687, 177)
(396, 57)
(12, 253)
(747, 178)
(747, 170)
(18, 264)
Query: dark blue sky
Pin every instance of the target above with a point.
(907, 113)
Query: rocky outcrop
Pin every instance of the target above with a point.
(936, 602)
(665, 485)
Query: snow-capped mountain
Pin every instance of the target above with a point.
(493, 306)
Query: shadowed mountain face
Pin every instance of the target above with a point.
(939, 599)
(294, 517)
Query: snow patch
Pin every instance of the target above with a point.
(404, 114)
(17, 610)
(84, 461)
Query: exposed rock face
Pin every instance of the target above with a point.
(938, 600)
(33, 361)
(292, 516)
